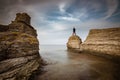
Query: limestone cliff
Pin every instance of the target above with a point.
(74, 42)
(105, 41)
(19, 49)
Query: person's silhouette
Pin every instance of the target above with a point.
(74, 31)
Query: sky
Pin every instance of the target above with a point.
(55, 19)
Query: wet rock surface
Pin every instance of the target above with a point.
(19, 50)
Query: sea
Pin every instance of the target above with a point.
(68, 65)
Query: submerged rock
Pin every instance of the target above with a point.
(19, 49)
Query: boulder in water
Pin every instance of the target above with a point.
(74, 42)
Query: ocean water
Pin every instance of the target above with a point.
(64, 65)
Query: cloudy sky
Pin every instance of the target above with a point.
(54, 19)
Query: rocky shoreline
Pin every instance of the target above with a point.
(19, 49)
(100, 42)
(105, 41)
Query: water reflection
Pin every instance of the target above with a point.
(64, 65)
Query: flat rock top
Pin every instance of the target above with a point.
(104, 36)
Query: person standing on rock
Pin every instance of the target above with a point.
(74, 31)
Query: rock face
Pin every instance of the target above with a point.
(105, 41)
(19, 49)
(74, 42)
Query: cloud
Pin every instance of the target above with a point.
(112, 6)
(62, 7)
(98, 24)
(58, 26)
(68, 18)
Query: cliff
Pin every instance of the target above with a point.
(105, 41)
(19, 49)
(74, 42)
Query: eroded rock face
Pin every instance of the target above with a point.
(74, 42)
(19, 51)
(105, 41)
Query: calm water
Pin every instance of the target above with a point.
(64, 65)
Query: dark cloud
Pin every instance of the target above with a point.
(8, 8)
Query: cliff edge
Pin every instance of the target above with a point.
(105, 41)
(19, 49)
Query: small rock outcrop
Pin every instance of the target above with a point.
(19, 49)
(74, 41)
(105, 41)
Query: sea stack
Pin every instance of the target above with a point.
(19, 49)
(74, 41)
